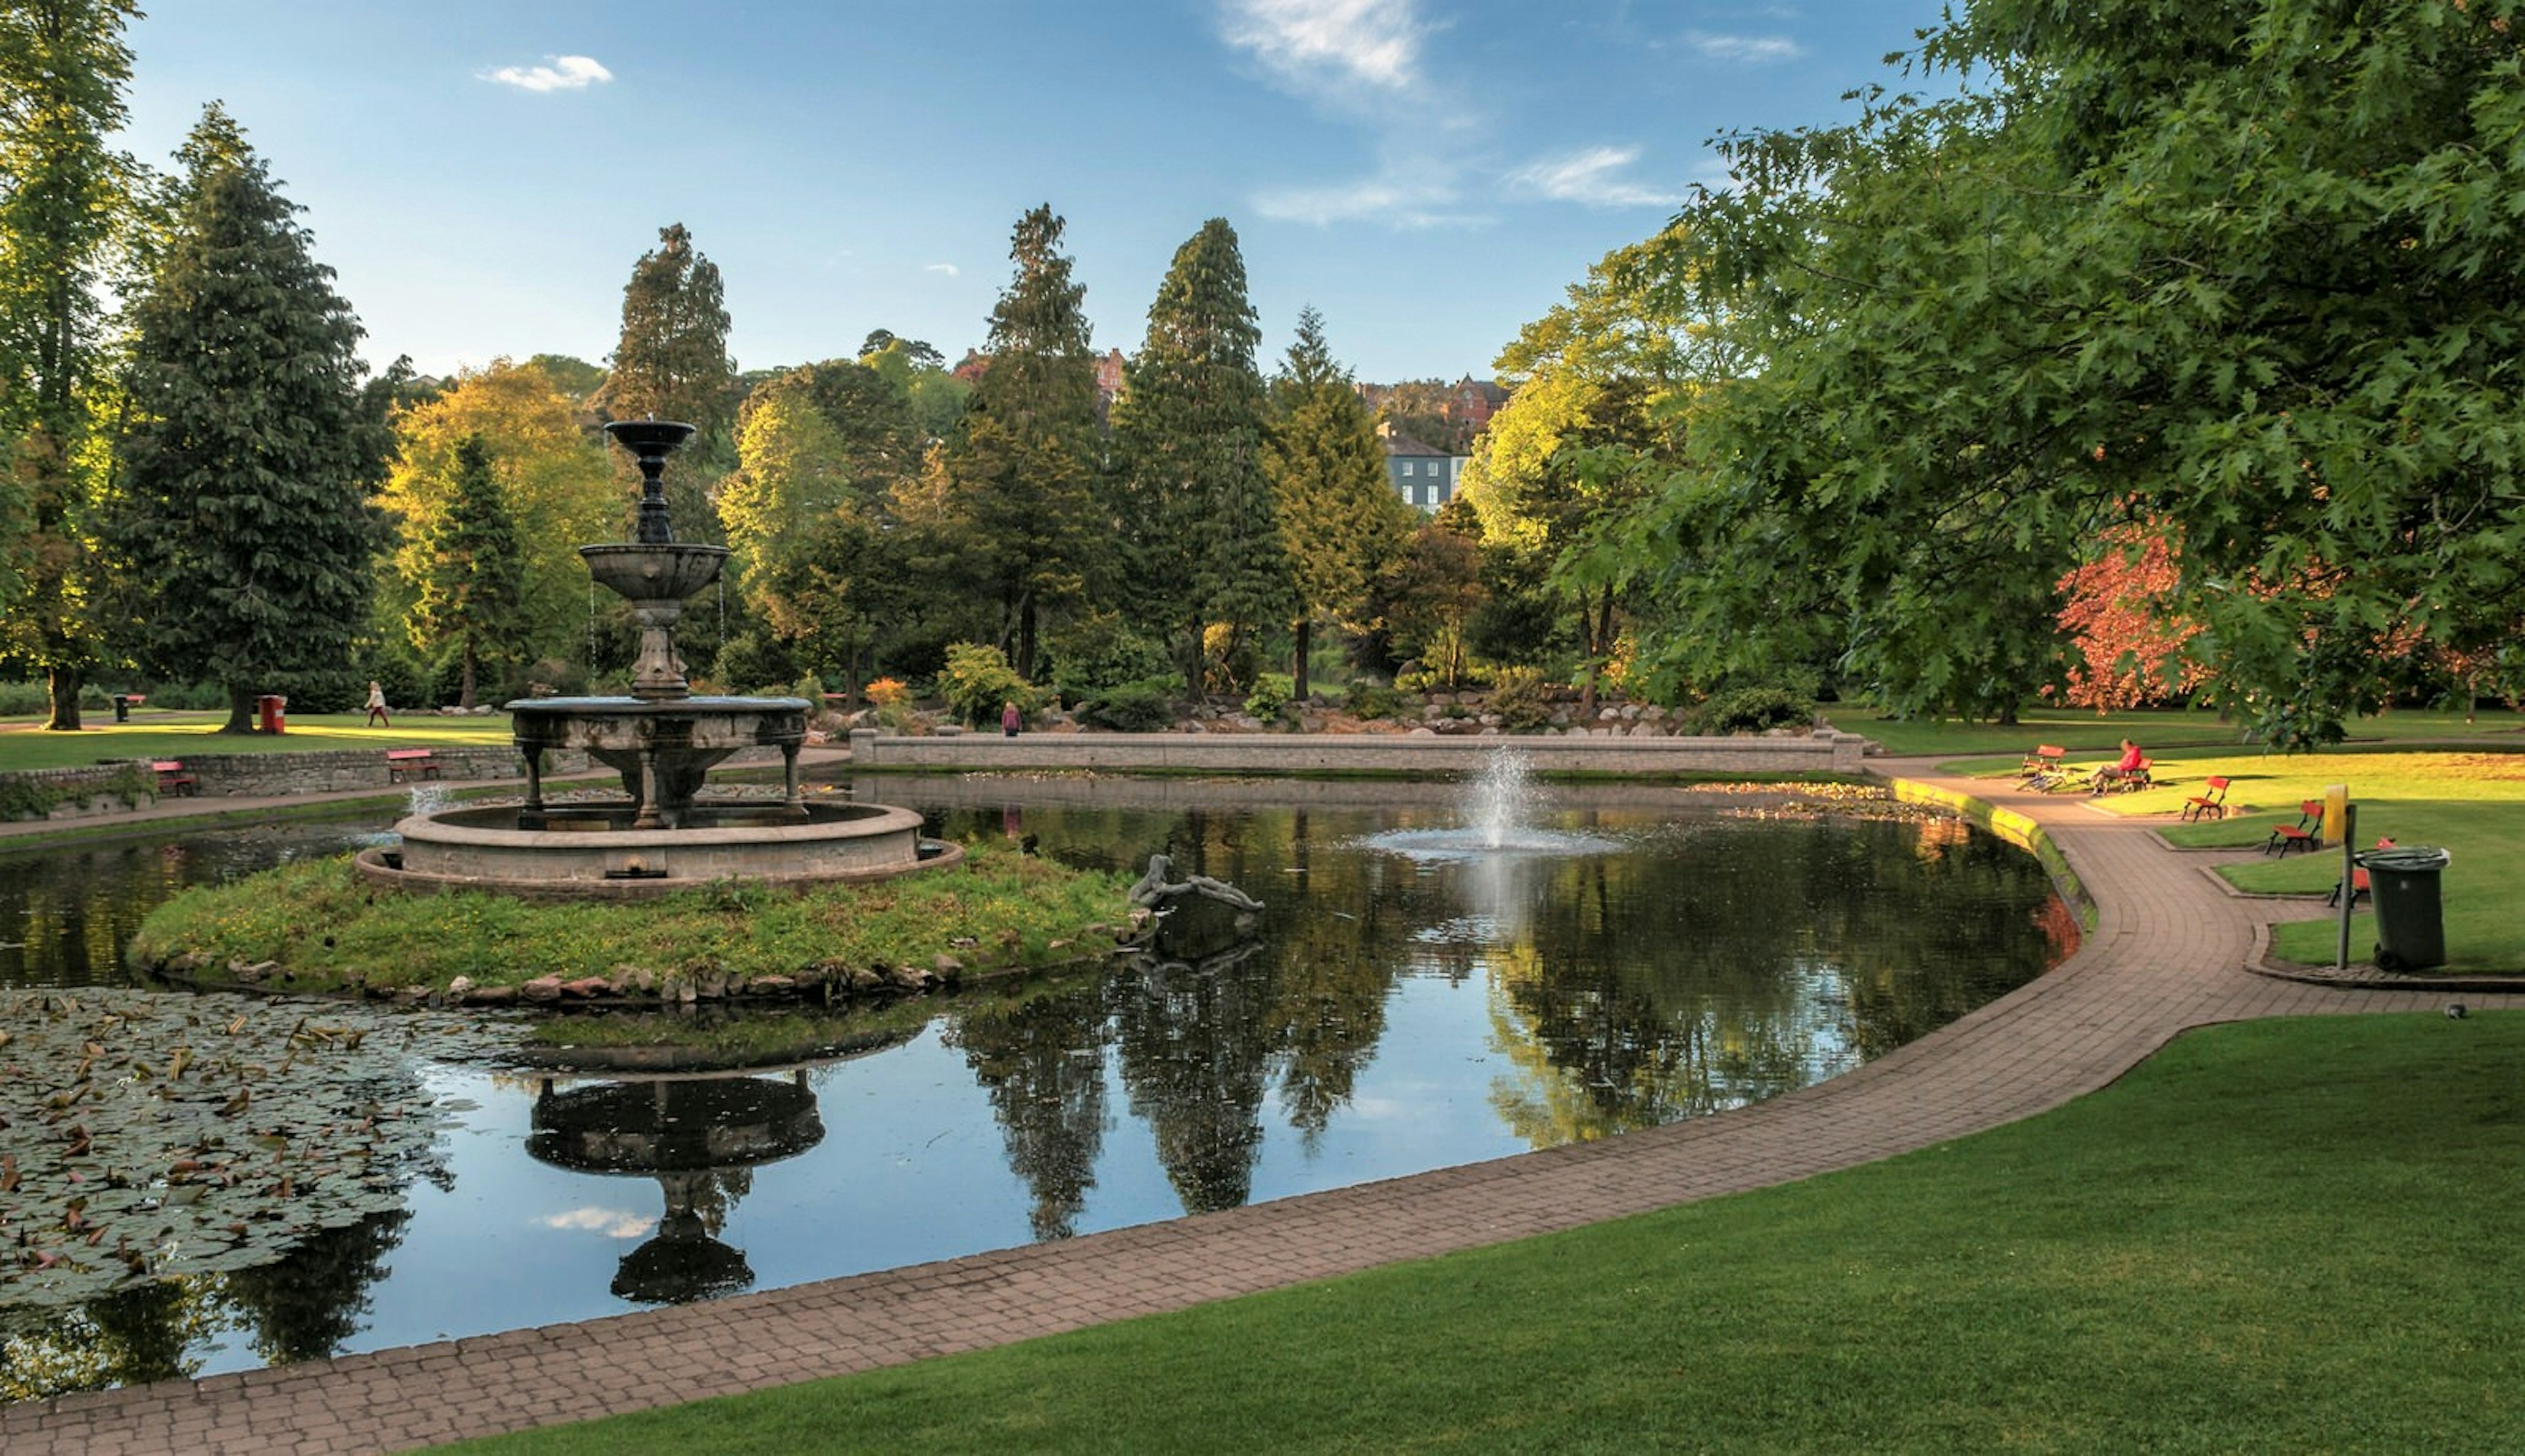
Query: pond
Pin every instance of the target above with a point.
(1408, 1000)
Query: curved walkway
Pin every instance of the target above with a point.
(2168, 954)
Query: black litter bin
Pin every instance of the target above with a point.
(2410, 919)
(122, 708)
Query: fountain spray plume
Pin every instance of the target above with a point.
(1502, 796)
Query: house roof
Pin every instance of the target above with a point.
(1396, 444)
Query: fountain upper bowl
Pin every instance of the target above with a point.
(650, 436)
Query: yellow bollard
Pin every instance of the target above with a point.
(2336, 814)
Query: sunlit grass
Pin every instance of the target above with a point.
(24, 743)
(2086, 734)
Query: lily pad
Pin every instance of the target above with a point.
(160, 1136)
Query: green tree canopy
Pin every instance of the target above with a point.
(243, 522)
(672, 362)
(66, 200)
(1341, 522)
(1020, 471)
(2247, 273)
(1188, 428)
(553, 482)
(472, 587)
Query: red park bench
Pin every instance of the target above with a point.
(172, 779)
(411, 763)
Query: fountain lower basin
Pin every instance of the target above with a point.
(584, 853)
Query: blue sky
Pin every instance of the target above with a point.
(483, 174)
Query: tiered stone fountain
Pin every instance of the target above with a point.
(662, 742)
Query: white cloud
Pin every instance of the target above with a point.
(949, 268)
(565, 73)
(1405, 206)
(1592, 177)
(613, 1223)
(1757, 50)
(1334, 43)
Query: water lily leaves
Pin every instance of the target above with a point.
(145, 1136)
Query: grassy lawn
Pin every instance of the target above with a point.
(2471, 804)
(24, 743)
(2087, 735)
(2275, 1236)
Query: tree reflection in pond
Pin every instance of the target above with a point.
(1385, 1014)
(1710, 961)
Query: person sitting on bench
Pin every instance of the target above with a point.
(2114, 773)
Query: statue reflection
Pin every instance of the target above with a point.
(701, 1137)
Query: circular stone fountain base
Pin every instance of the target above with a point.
(585, 854)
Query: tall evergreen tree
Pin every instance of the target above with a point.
(672, 362)
(64, 199)
(243, 511)
(1341, 521)
(472, 590)
(1022, 468)
(1189, 432)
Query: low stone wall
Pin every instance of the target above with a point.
(1414, 753)
(333, 770)
(75, 792)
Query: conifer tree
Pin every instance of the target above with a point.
(1189, 432)
(672, 362)
(1022, 468)
(472, 590)
(1340, 519)
(243, 520)
(64, 199)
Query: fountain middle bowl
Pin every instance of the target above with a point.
(668, 572)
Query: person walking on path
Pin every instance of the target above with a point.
(377, 705)
(1010, 718)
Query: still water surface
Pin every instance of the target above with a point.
(1404, 1002)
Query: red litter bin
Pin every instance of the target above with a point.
(271, 705)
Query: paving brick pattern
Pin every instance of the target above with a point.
(2169, 954)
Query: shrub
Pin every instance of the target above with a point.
(25, 700)
(1751, 710)
(1373, 699)
(559, 674)
(1140, 706)
(886, 691)
(750, 661)
(331, 690)
(1230, 661)
(1270, 696)
(1521, 698)
(1102, 651)
(976, 680)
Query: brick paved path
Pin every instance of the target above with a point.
(2168, 954)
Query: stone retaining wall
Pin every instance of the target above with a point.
(1822, 752)
(332, 770)
(78, 793)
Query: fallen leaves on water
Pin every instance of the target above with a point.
(144, 1135)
